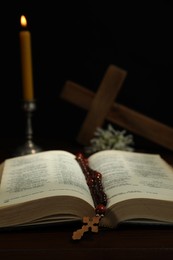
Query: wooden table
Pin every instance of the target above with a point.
(56, 243)
(125, 242)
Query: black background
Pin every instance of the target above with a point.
(77, 41)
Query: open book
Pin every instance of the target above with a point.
(50, 187)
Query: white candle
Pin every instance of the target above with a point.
(26, 61)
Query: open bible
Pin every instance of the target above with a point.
(50, 187)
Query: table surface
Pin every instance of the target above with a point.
(55, 242)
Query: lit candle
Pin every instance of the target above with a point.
(26, 60)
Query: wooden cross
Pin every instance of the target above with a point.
(102, 106)
(89, 224)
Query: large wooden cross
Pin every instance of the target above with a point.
(102, 106)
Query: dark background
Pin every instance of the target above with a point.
(78, 41)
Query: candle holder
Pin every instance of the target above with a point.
(29, 147)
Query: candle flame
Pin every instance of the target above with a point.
(23, 21)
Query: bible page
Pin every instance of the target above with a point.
(129, 175)
(50, 173)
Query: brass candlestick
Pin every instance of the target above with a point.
(29, 147)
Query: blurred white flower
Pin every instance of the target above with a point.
(110, 139)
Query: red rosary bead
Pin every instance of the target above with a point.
(100, 209)
(90, 181)
(97, 175)
(79, 155)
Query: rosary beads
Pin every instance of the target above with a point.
(94, 181)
